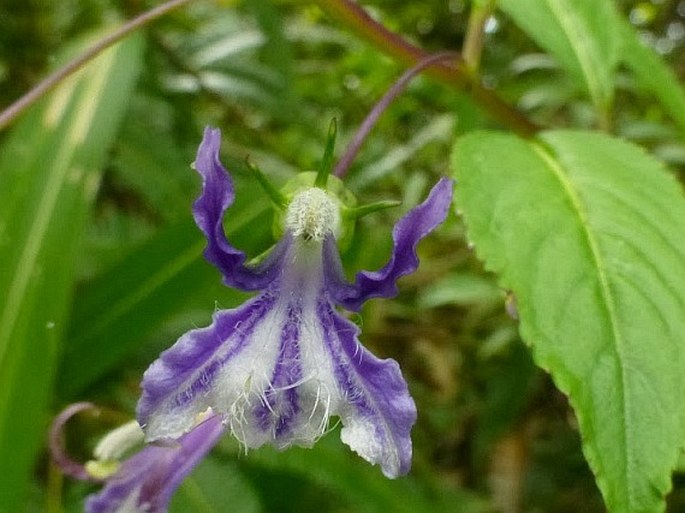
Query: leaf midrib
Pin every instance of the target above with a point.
(607, 296)
(145, 289)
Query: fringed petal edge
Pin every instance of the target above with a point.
(378, 413)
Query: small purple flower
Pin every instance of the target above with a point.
(145, 481)
(278, 367)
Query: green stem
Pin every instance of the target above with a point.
(327, 161)
(481, 10)
(349, 13)
(53, 490)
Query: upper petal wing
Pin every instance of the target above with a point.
(407, 233)
(217, 195)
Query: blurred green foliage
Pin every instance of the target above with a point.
(493, 433)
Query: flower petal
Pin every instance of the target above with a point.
(378, 412)
(409, 230)
(217, 195)
(212, 367)
(261, 367)
(276, 368)
(146, 481)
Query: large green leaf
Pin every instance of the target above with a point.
(581, 34)
(49, 171)
(588, 232)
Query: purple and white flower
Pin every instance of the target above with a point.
(275, 369)
(143, 482)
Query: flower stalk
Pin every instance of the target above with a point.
(8, 115)
(481, 10)
(397, 88)
(352, 15)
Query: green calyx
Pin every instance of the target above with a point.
(102, 469)
(336, 190)
(349, 210)
(320, 179)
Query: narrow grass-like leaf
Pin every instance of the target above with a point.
(49, 171)
(581, 34)
(277, 51)
(587, 231)
(653, 74)
(125, 305)
(155, 167)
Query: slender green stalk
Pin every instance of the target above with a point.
(349, 13)
(327, 160)
(481, 10)
(9, 114)
(53, 489)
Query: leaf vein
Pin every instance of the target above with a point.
(609, 302)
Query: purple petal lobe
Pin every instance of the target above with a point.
(377, 411)
(409, 230)
(207, 368)
(261, 367)
(217, 195)
(146, 481)
(280, 401)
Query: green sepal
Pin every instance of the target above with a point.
(278, 199)
(102, 469)
(352, 214)
(327, 160)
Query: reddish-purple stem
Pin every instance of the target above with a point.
(56, 442)
(15, 109)
(353, 148)
(351, 14)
